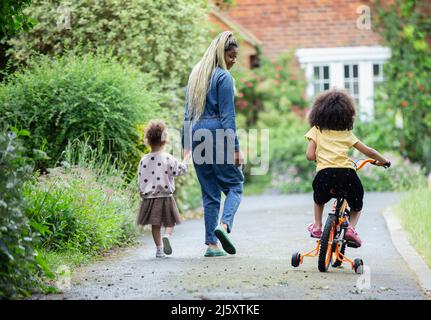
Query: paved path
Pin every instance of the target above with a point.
(267, 230)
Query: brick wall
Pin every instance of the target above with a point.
(287, 24)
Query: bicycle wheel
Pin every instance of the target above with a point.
(325, 251)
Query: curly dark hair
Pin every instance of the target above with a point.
(333, 110)
(155, 133)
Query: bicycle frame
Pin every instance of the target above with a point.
(341, 212)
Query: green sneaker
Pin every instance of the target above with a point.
(214, 253)
(221, 234)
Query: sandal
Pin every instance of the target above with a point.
(314, 232)
(214, 253)
(167, 248)
(227, 245)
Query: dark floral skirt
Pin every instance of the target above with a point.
(159, 212)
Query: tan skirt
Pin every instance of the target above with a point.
(159, 212)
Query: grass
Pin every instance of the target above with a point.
(70, 259)
(414, 212)
(85, 209)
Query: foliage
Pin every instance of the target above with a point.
(405, 26)
(73, 97)
(402, 175)
(414, 211)
(290, 170)
(224, 4)
(20, 264)
(266, 98)
(188, 192)
(84, 206)
(163, 37)
(276, 85)
(271, 97)
(379, 133)
(12, 18)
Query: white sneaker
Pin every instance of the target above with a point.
(166, 245)
(159, 253)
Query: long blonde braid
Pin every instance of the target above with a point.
(200, 76)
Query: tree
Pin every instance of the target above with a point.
(12, 18)
(405, 26)
(163, 37)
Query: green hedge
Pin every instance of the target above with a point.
(20, 264)
(69, 97)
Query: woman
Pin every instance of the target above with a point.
(210, 120)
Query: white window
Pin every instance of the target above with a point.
(378, 72)
(351, 80)
(321, 79)
(357, 69)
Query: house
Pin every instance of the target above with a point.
(332, 39)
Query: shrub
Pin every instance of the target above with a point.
(188, 192)
(79, 208)
(405, 25)
(291, 172)
(275, 85)
(271, 97)
(73, 97)
(20, 264)
(159, 37)
(401, 176)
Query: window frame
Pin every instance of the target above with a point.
(351, 80)
(321, 81)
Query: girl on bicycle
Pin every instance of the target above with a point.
(329, 140)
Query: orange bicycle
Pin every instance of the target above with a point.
(331, 246)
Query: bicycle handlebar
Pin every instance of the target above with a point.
(375, 163)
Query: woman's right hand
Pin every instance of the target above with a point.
(239, 158)
(186, 155)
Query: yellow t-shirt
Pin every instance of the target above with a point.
(332, 147)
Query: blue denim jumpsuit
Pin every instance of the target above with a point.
(218, 176)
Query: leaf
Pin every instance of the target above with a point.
(408, 31)
(23, 133)
(4, 249)
(420, 45)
